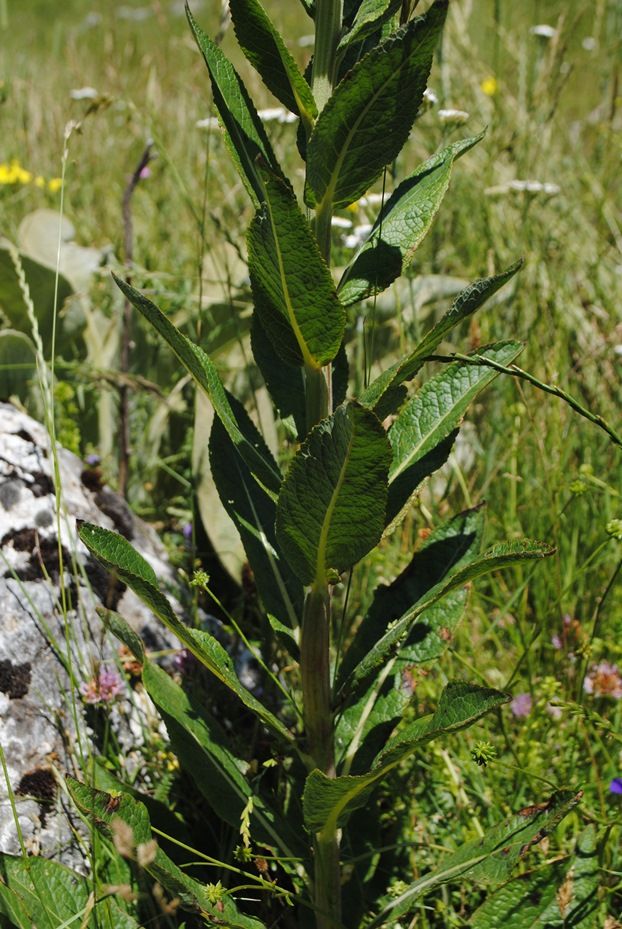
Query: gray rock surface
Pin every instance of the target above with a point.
(52, 643)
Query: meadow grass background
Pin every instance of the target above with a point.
(553, 108)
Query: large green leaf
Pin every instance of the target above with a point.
(202, 369)
(446, 549)
(265, 49)
(294, 292)
(17, 363)
(254, 512)
(367, 120)
(551, 896)
(330, 511)
(384, 394)
(328, 802)
(490, 859)
(102, 808)
(502, 555)
(244, 132)
(37, 893)
(369, 16)
(41, 281)
(401, 226)
(431, 416)
(116, 554)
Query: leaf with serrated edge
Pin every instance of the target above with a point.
(116, 554)
(327, 802)
(202, 369)
(96, 804)
(367, 120)
(244, 132)
(294, 292)
(265, 49)
(467, 302)
(489, 859)
(330, 511)
(499, 556)
(403, 223)
(432, 415)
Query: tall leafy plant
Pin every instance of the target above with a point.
(341, 720)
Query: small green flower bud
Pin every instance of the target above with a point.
(614, 529)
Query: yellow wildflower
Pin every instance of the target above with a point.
(55, 184)
(39, 181)
(490, 86)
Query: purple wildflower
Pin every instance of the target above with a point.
(145, 173)
(521, 705)
(104, 687)
(93, 460)
(604, 680)
(186, 531)
(616, 786)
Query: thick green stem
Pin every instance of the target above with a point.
(328, 18)
(316, 626)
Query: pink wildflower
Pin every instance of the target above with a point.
(521, 705)
(104, 687)
(604, 680)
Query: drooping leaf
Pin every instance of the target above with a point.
(330, 511)
(327, 802)
(263, 46)
(254, 512)
(499, 556)
(116, 554)
(292, 286)
(201, 745)
(199, 365)
(367, 120)
(369, 16)
(551, 896)
(102, 808)
(467, 302)
(42, 893)
(244, 132)
(490, 859)
(403, 223)
(430, 419)
(452, 544)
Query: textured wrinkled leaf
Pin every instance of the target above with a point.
(265, 49)
(401, 226)
(502, 555)
(551, 896)
(330, 511)
(244, 132)
(37, 893)
(369, 16)
(489, 859)
(378, 394)
(254, 512)
(202, 369)
(328, 802)
(116, 554)
(293, 290)
(430, 419)
(98, 807)
(451, 545)
(367, 120)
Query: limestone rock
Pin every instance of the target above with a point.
(54, 654)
